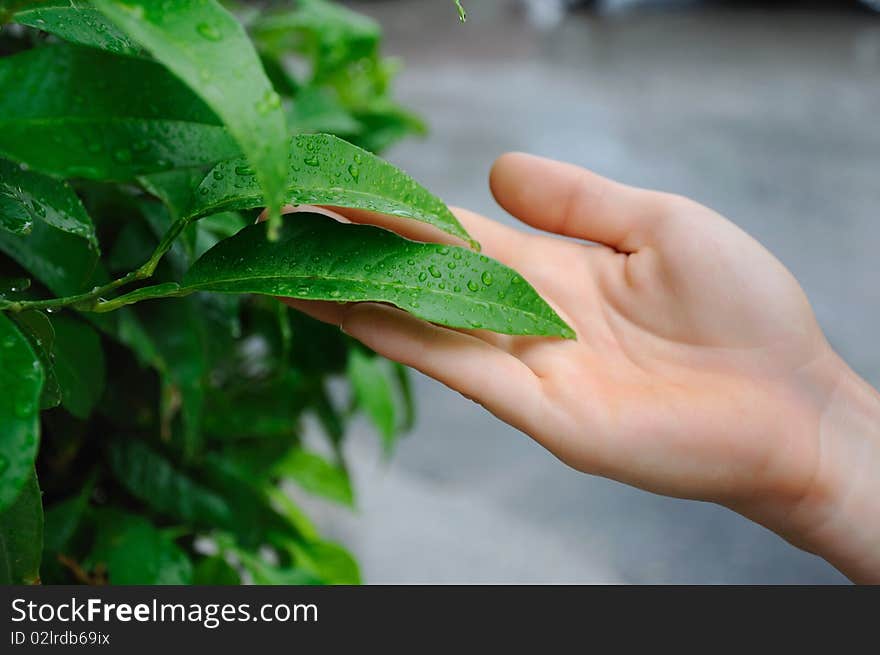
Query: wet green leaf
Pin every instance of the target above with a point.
(40, 198)
(35, 325)
(317, 258)
(207, 48)
(21, 536)
(135, 118)
(76, 22)
(21, 379)
(325, 170)
(64, 263)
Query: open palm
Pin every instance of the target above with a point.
(697, 357)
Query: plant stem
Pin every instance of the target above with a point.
(92, 300)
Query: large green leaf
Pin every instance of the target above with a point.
(316, 475)
(21, 536)
(40, 198)
(206, 47)
(21, 380)
(154, 480)
(76, 22)
(60, 117)
(134, 552)
(325, 170)
(79, 365)
(317, 258)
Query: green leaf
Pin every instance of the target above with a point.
(264, 409)
(325, 170)
(136, 553)
(41, 198)
(316, 475)
(174, 188)
(78, 23)
(373, 393)
(317, 258)
(155, 481)
(331, 35)
(21, 536)
(64, 263)
(21, 380)
(402, 376)
(179, 333)
(264, 573)
(79, 365)
(318, 110)
(64, 518)
(206, 47)
(135, 118)
(215, 570)
(36, 327)
(332, 563)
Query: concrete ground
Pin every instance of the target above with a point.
(769, 117)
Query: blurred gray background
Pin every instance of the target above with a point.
(768, 115)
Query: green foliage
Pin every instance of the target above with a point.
(139, 141)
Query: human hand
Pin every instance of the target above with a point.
(699, 370)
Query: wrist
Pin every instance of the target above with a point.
(837, 516)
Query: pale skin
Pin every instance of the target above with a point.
(699, 370)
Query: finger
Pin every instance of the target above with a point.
(572, 201)
(405, 227)
(498, 381)
(321, 310)
(497, 240)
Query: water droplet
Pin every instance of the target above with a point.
(456, 254)
(39, 210)
(487, 278)
(269, 102)
(335, 293)
(473, 286)
(312, 160)
(357, 158)
(355, 172)
(451, 266)
(444, 250)
(423, 276)
(434, 271)
(209, 32)
(217, 175)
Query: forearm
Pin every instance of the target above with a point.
(839, 518)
